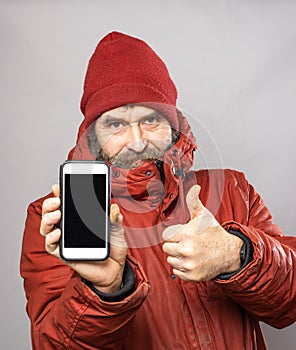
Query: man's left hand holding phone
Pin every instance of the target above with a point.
(104, 275)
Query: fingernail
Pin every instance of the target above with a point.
(54, 214)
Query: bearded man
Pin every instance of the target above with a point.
(195, 258)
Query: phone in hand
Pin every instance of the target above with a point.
(85, 203)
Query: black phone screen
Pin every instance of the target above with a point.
(85, 222)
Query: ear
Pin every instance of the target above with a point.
(194, 204)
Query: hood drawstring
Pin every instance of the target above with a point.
(179, 174)
(159, 165)
(177, 168)
(183, 212)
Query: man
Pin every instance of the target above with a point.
(195, 259)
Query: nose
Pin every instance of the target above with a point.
(136, 142)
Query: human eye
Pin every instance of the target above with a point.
(116, 125)
(150, 121)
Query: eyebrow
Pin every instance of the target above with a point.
(107, 119)
(154, 114)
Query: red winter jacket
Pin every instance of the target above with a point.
(165, 312)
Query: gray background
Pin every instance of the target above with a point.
(234, 63)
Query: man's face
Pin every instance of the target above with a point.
(128, 136)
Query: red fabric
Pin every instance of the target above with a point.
(166, 313)
(125, 70)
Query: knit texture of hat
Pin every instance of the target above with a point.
(125, 70)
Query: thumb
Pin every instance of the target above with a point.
(194, 204)
(55, 190)
(115, 215)
(116, 229)
(201, 216)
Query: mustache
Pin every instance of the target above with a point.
(128, 158)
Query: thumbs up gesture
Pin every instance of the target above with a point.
(201, 249)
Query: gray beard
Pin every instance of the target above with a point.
(127, 159)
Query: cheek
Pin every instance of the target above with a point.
(160, 138)
(112, 146)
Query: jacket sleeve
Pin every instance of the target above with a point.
(266, 287)
(64, 311)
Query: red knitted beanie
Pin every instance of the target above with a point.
(125, 70)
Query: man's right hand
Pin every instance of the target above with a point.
(106, 276)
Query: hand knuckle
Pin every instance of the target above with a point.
(186, 250)
(46, 204)
(187, 265)
(46, 220)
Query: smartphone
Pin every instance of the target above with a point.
(85, 202)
